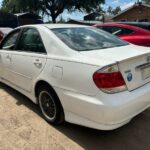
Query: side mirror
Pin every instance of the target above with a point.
(10, 47)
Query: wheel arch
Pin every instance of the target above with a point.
(44, 83)
(41, 83)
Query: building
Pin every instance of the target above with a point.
(8, 20)
(103, 17)
(28, 18)
(83, 22)
(92, 16)
(137, 12)
(92, 19)
(15, 20)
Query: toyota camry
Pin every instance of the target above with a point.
(77, 74)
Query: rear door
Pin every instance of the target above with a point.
(28, 60)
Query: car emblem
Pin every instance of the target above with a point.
(129, 77)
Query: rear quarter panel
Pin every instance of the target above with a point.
(72, 76)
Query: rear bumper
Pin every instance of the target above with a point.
(105, 111)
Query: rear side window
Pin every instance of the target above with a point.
(142, 26)
(128, 31)
(118, 31)
(30, 41)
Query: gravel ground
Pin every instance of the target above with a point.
(22, 128)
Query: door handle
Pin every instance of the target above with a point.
(37, 62)
(8, 57)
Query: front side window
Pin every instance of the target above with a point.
(115, 30)
(30, 41)
(87, 38)
(10, 41)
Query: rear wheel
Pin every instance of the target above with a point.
(50, 105)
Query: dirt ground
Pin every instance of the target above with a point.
(22, 128)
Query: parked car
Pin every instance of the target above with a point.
(77, 73)
(132, 34)
(4, 32)
(143, 25)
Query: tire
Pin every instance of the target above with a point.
(50, 105)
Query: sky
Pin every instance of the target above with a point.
(113, 3)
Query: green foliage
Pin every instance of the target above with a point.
(114, 11)
(52, 8)
(17, 6)
(146, 1)
(61, 20)
(109, 10)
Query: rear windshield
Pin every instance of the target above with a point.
(87, 38)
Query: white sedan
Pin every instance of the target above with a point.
(77, 73)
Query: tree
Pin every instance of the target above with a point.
(61, 20)
(55, 7)
(116, 10)
(52, 8)
(109, 10)
(17, 6)
(146, 1)
(7, 6)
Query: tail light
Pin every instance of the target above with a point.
(109, 79)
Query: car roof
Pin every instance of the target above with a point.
(63, 25)
(138, 23)
(113, 24)
(144, 25)
(52, 26)
(123, 25)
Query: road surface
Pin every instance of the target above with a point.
(22, 128)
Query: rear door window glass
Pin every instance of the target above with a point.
(31, 41)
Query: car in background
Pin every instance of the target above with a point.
(131, 34)
(143, 25)
(76, 73)
(4, 32)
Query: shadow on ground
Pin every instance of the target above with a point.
(133, 136)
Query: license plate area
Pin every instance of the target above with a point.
(145, 73)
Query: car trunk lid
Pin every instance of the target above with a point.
(133, 63)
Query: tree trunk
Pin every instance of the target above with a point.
(53, 19)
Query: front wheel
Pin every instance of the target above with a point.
(50, 105)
